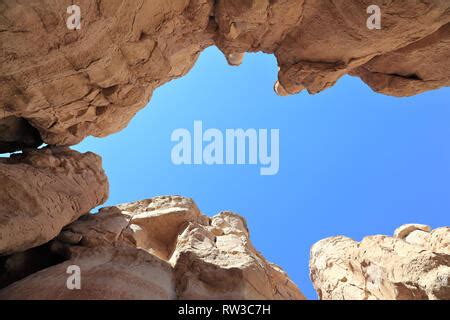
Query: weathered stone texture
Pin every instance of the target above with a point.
(160, 248)
(42, 191)
(414, 264)
(73, 83)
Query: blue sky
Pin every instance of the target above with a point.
(352, 162)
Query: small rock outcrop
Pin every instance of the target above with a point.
(43, 190)
(159, 248)
(414, 264)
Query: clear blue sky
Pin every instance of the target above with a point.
(352, 162)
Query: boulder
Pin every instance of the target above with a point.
(42, 191)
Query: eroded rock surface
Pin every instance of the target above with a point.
(160, 248)
(414, 264)
(41, 191)
(73, 83)
(421, 66)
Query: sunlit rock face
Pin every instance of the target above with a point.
(41, 191)
(92, 81)
(414, 264)
(159, 248)
(69, 84)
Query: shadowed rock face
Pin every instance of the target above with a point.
(21, 264)
(42, 191)
(160, 248)
(414, 264)
(17, 134)
(71, 84)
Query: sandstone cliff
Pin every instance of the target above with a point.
(414, 264)
(160, 248)
(69, 84)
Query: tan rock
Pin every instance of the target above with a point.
(421, 66)
(92, 81)
(106, 273)
(418, 237)
(44, 190)
(219, 262)
(437, 240)
(440, 240)
(404, 230)
(235, 59)
(160, 248)
(381, 267)
(70, 84)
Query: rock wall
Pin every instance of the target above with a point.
(414, 264)
(42, 191)
(160, 248)
(73, 83)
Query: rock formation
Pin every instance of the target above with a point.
(59, 86)
(414, 264)
(69, 84)
(412, 69)
(160, 248)
(44, 190)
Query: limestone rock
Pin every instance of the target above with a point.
(416, 266)
(159, 248)
(42, 191)
(69, 84)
